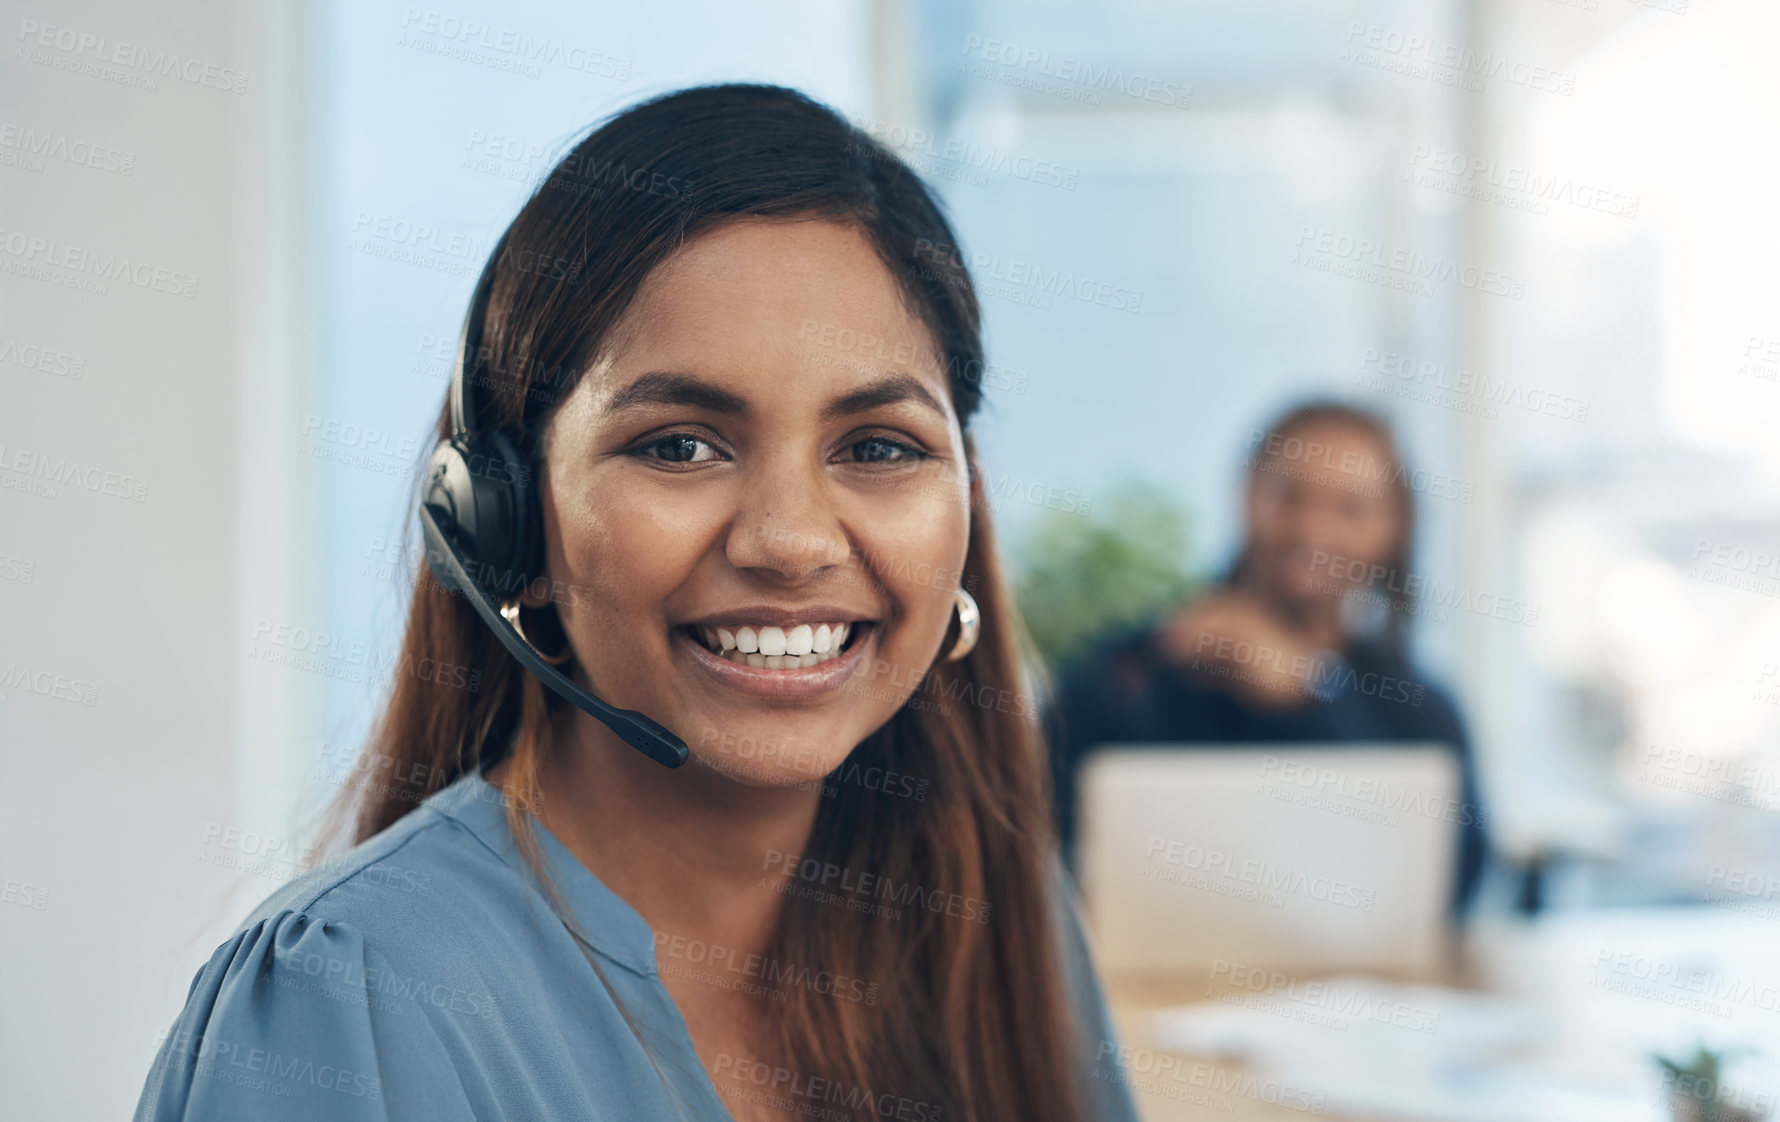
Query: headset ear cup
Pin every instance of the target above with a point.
(481, 491)
(512, 487)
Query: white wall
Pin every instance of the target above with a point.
(148, 602)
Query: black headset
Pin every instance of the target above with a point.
(480, 514)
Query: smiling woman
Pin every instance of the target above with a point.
(747, 405)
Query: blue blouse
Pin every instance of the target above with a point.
(423, 976)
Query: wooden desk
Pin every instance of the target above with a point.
(1591, 984)
(1179, 1087)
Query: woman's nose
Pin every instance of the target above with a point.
(788, 529)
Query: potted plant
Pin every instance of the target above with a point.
(1697, 1092)
(1088, 570)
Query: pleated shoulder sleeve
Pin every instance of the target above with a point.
(295, 1018)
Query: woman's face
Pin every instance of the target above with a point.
(1324, 500)
(756, 503)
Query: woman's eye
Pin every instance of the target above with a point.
(677, 449)
(882, 450)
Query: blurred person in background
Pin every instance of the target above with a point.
(1303, 641)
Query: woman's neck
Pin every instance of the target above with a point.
(696, 853)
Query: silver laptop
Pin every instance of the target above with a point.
(1305, 859)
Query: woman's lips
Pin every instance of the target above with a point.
(801, 681)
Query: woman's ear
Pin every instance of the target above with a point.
(537, 592)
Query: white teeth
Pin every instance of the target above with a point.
(778, 648)
(778, 662)
(772, 641)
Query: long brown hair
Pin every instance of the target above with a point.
(974, 1014)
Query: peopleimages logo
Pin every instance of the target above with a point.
(78, 51)
(1297, 458)
(1748, 780)
(44, 360)
(1261, 875)
(1079, 72)
(782, 1087)
(30, 255)
(24, 469)
(1490, 180)
(1370, 576)
(968, 154)
(1224, 656)
(352, 660)
(336, 976)
(504, 48)
(1368, 790)
(16, 678)
(1325, 1003)
(1398, 266)
(875, 886)
(1684, 984)
(227, 1061)
(1169, 1076)
(34, 146)
(1403, 375)
(1450, 63)
(756, 974)
(1041, 281)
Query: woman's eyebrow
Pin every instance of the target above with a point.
(888, 390)
(666, 388)
(669, 388)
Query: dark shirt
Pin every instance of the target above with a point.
(1124, 690)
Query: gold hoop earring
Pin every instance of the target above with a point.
(970, 624)
(510, 613)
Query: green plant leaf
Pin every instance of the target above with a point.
(1079, 576)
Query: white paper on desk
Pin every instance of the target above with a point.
(1380, 1049)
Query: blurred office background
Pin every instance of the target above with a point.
(1536, 234)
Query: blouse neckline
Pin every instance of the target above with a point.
(611, 926)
